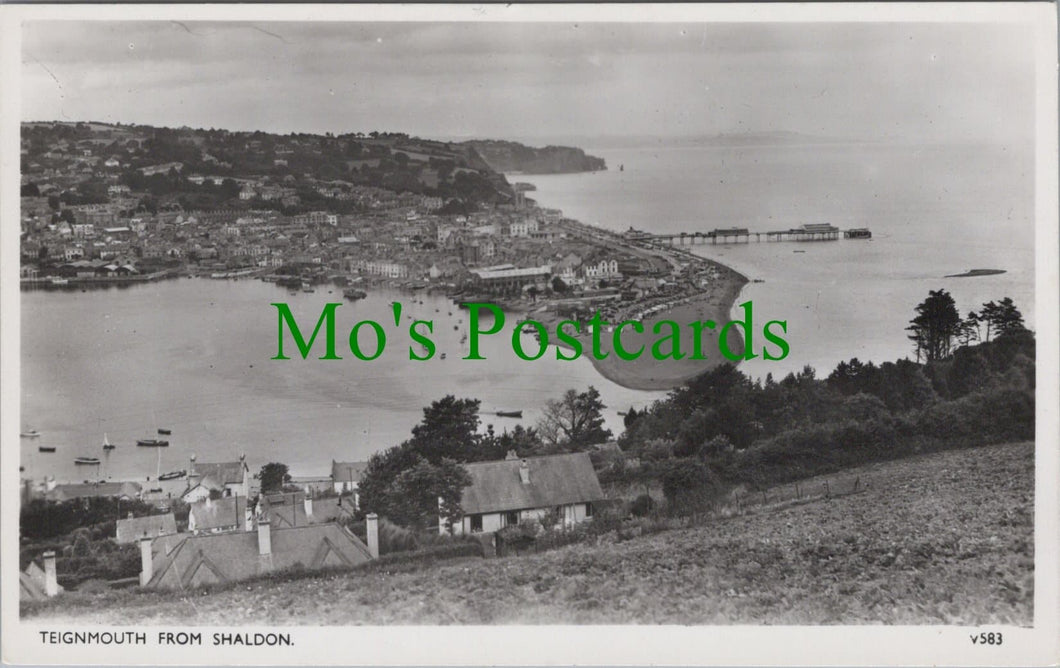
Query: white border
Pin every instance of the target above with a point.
(593, 645)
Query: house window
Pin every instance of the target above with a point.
(511, 518)
(588, 510)
(476, 523)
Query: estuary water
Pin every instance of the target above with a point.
(193, 355)
(933, 211)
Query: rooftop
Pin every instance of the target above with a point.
(554, 480)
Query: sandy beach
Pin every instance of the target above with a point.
(648, 373)
(711, 302)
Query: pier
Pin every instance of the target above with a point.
(729, 235)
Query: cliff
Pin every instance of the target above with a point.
(506, 156)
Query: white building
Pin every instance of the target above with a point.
(602, 269)
(522, 228)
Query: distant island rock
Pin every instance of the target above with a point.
(976, 272)
(512, 157)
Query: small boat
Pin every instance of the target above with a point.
(173, 475)
(107, 444)
(443, 356)
(292, 292)
(165, 432)
(308, 290)
(46, 448)
(510, 414)
(353, 294)
(87, 461)
(152, 443)
(32, 433)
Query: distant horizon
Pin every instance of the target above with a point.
(912, 82)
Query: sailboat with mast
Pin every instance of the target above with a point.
(107, 445)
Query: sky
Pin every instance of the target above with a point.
(871, 81)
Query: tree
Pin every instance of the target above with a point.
(1007, 318)
(273, 477)
(969, 331)
(423, 493)
(989, 315)
(449, 429)
(689, 484)
(630, 417)
(574, 422)
(521, 439)
(936, 324)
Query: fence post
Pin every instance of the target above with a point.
(827, 491)
(798, 494)
(857, 481)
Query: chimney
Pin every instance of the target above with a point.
(372, 522)
(524, 472)
(264, 538)
(51, 583)
(146, 563)
(308, 508)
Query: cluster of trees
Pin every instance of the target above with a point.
(81, 533)
(938, 326)
(405, 482)
(724, 428)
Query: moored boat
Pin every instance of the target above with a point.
(173, 475)
(46, 448)
(354, 294)
(30, 433)
(165, 432)
(152, 443)
(88, 461)
(510, 414)
(107, 444)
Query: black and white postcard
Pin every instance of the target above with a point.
(541, 334)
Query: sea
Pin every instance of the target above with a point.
(194, 355)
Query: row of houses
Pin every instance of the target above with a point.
(227, 539)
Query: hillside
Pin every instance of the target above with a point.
(302, 164)
(508, 157)
(945, 538)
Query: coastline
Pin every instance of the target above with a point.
(648, 373)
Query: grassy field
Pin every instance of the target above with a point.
(945, 538)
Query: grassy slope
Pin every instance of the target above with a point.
(943, 538)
